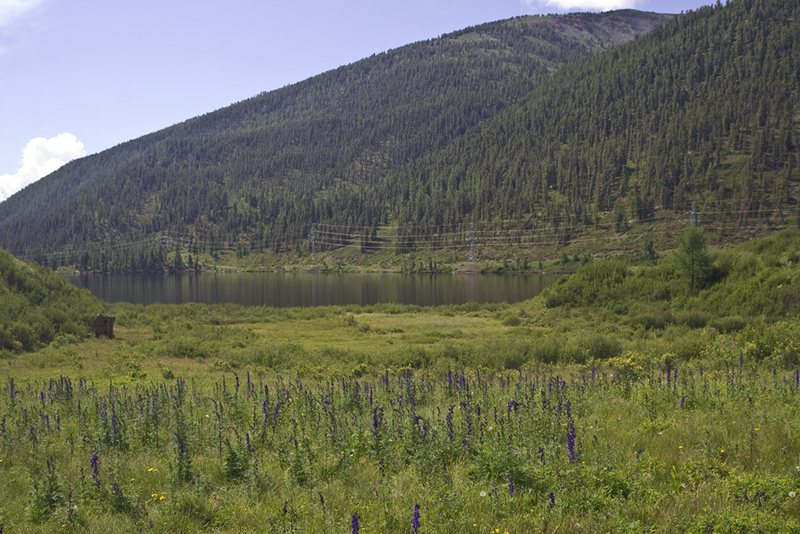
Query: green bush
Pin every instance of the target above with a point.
(650, 317)
(38, 306)
(546, 350)
(692, 318)
(726, 325)
(597, 283)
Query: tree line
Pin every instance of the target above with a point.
(536, 119)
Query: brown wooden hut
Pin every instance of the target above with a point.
(104, 326)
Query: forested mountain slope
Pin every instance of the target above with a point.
(515, 127)
(257, 174)
(701, 116)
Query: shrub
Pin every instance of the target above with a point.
(726, 325)
(546, 350)
(650, 318)
(597, 283)
(692, 318)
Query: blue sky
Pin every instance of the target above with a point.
(80, 76)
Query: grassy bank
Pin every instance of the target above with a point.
(633, 396)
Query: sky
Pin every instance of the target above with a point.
(80, 76)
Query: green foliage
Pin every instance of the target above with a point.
(692, 257)
(598, 284)
(612, 410)
(621, 442)
(45, 494)
(40, 307)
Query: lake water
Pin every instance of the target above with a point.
(313, 289)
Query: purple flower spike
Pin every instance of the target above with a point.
(93, 464)
(415, 521)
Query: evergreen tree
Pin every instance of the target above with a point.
(692, 256)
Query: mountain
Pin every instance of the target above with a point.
(255, 176)
(698, 119)
(520, 136)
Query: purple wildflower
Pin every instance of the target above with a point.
(376, 419)
(512, 405)
(510, 487)
(415, 520)
(275, 415)
(552, 499)
(449, 421)
(93, 464)
(571, 442)
(354, 523)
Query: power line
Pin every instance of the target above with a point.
(500, 233)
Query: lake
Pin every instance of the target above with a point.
(313, 289)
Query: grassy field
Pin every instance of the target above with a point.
(619, 400)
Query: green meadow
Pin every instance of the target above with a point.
(636, 395)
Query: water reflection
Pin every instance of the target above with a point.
(313, 289)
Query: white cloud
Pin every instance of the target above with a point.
(13, 10)
(18, 23)
(40, 157)
(584, 5)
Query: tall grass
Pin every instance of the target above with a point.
(622, 445)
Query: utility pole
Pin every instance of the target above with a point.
(472, 243)
(314, 243)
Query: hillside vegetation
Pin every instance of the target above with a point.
(625, 398)
(519, 139)
(699, 115)
(39, 307)
(255, 176)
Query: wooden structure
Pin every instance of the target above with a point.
(104, 326)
